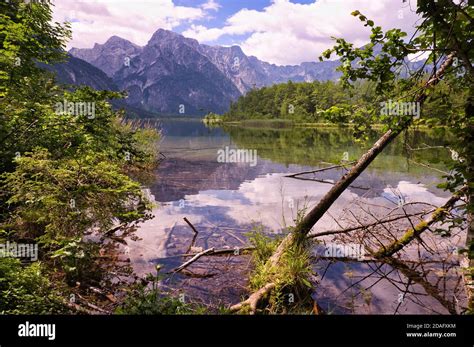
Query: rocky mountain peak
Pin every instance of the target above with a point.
(163, 38)
(109, 56)
(172, 70)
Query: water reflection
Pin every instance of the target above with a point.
(224, 201)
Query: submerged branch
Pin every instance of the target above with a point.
(417, 230)
(192, 260)
(319, 170)
(362, 227)
(193, 241)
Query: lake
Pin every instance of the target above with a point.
(225, 198)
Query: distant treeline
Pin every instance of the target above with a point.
(322, 102)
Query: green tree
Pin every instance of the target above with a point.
(66, 173)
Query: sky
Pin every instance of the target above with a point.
(283, 32)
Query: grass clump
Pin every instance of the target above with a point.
(292, 276)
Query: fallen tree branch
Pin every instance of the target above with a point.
(429, 167)
(208, 252)
(319, 170)
(111, 231)
(192, 260)
(304, 227)
(190, 274)
(364, 259)
(109, 296)
(234, 251)
(417, 230)
(383, 221)
(78, 308)
(326, 182)
(216, 252)
(418, 278)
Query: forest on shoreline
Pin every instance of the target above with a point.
(329, 102)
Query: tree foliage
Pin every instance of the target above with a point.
(65, 173)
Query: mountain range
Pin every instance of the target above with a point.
(176, 75)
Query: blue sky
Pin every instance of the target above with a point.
(278, 31)
(229, 8)
(218, 19)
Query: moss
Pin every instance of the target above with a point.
(409, 235)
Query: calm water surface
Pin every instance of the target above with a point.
(226, 200)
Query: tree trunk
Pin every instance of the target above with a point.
(304, 227)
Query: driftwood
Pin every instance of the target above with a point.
(305, 226)
(216, 252)
(192, 260)
(208, 252)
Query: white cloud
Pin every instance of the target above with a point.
(203, 34)
(282, 33)
(291, 33)
(211, 5)
(97, 20)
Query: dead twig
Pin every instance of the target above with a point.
(78, 308)
(92, 306)
(192, 260)
(365, 226)
(193, 241)
(413, 233)
(319, 170)
(429, 167)
(216, 252)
